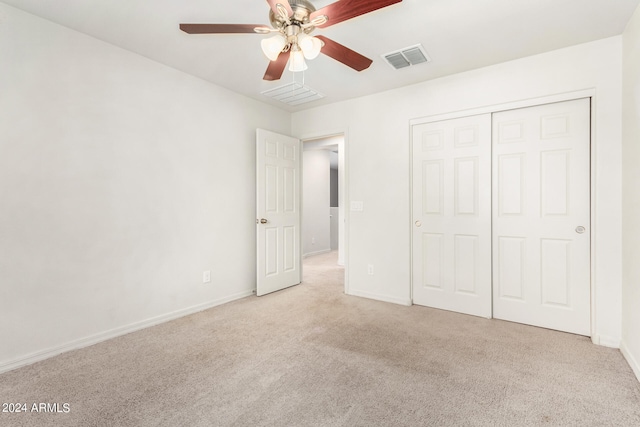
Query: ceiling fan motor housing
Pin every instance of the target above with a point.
(301, 11)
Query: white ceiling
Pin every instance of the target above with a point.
(458, 35)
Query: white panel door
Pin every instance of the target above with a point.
(541, 216)
(451, 266)
(278, 211)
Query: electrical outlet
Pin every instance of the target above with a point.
(370, 269)
(206, 276)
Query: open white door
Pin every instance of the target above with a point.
(277, 211)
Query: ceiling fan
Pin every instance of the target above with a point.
(292, 21)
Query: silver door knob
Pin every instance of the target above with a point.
(580, 229)
(263, 221)
(418, 223)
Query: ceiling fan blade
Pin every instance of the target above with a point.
(347, 9)
(285, 3)
(219, 28)
(276, 68)
(345, 55)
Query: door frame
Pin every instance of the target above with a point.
(342, 152)
(495, 108)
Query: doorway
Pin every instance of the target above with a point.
(323, 198)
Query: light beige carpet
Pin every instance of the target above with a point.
(312, 356)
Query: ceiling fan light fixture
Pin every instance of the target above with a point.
(296, 61)
(272, 46)
(293, 21)
(310, 46)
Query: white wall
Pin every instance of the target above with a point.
(378, 162)
(631, 194)
(316, 236)
(121, 181)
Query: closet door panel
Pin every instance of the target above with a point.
(541, 216)
(451, 265)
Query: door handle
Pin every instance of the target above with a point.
(262, 221)
(580, 229)
(418, 223)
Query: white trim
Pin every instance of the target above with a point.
(635, 365)
(606, 341)
(568, 96)
(113, 333)
(345, 199)
(324, 251)
(378, 297)
(410, 168)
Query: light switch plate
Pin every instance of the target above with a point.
(357, 206)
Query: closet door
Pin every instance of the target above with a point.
(541, 216)
(451, 242)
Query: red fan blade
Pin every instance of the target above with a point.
(347, 9)
(219, 28)
(285, 3)
(345, 55)
(276, 68)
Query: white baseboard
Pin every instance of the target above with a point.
(113, 333)
(378, 297)
(606, 341)
(633, 362)
(324, 251)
